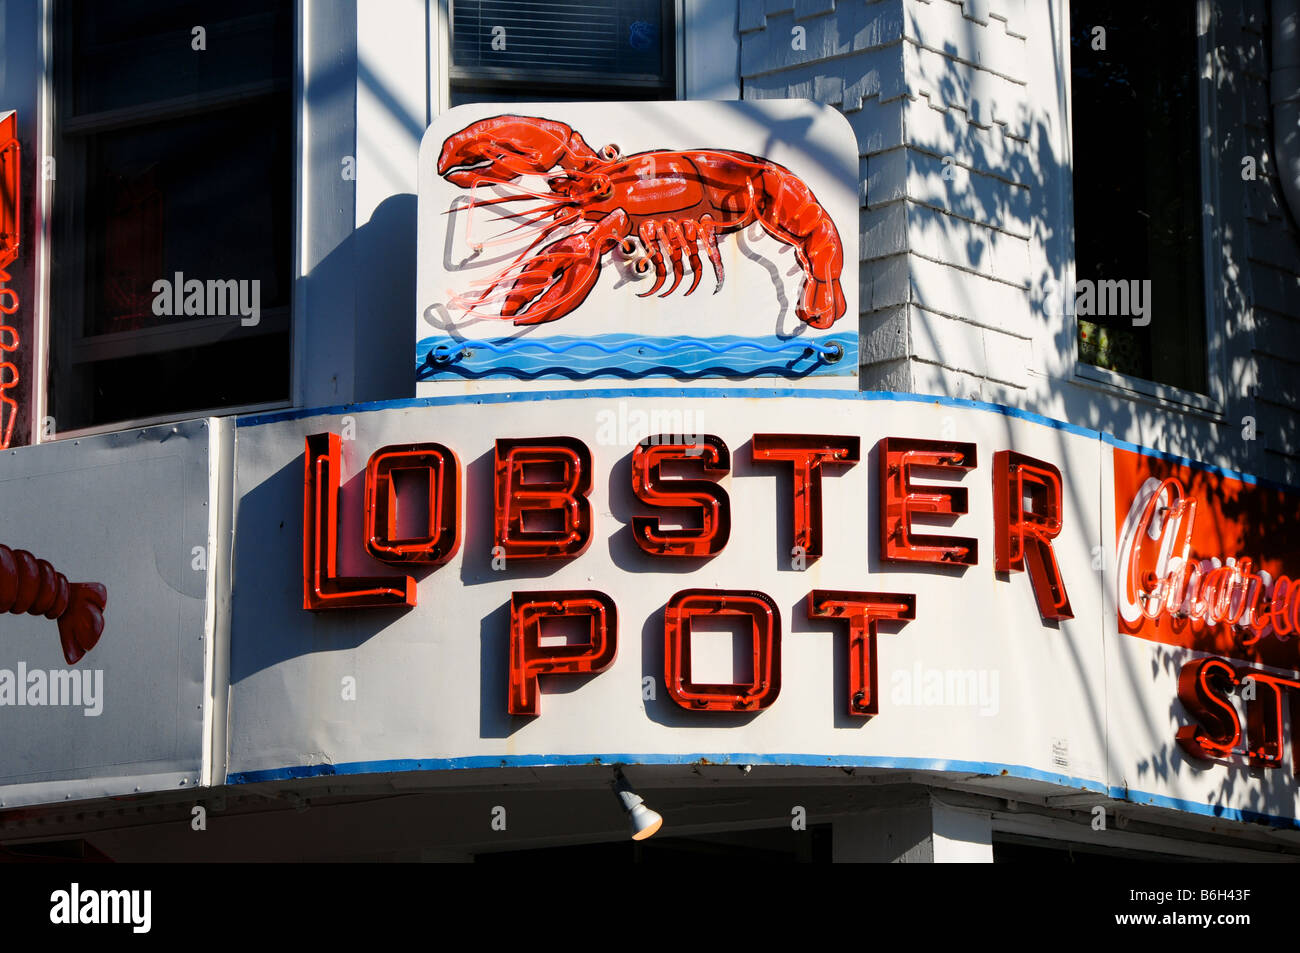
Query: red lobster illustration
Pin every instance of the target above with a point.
(676, 200)
(32, 585)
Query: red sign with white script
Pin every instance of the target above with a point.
(1205, 561)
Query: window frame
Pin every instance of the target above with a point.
(70, 337)
(443, 76)
(1212, 404)
(506, 78)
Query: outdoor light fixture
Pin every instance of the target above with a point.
(643, 820)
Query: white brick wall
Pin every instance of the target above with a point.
(960, 114)
(932, 91)
(1271, 268)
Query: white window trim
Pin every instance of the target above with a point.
(440, 52)
(44, 198)
(1175, 399)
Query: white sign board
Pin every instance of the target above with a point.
(977, 682)
(630, 240)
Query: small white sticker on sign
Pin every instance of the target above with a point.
(1061, 753)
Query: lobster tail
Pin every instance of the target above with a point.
(788, 210)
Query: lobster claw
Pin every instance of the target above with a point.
(82, 623)
(505, 147)
(559, 279)
(563, 274)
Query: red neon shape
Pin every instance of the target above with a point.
(765, 630)
(442, 538)
(323, 588)
(10, 197)
(806, 453)
(529, 659)
(862, 610)
(10, 204)
(33, 586)
(1264, 731)
(1284, 621)
(567, 497)
(1024, 536)
(900, 499)
(1201, 690)
(704, 497)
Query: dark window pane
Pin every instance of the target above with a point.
(243, 370)
(1137, 195)
(172, 161)
(617, 37)
(123, 48)
(462, 93)
(184, 197)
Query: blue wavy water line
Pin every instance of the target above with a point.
(638, 356)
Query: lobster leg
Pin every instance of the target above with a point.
(708, 229)
(32, 585)
(649, 235)
(563, 275)
(692, 236)
(672, 235)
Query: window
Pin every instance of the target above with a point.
(1139, 252)
(173, 208)
(546, 50)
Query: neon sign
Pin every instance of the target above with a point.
(9, 239)
(1159, 577)
(1205, 687)
(542, 511)
(1170, 590)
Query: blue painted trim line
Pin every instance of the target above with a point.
(515, 397)
(807, 393)
(1218, 811)
(982, 768)
(561, 760)
(1183, 461)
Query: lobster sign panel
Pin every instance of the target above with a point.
(686, 240)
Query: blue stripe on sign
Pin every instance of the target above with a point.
(560, 760)
(723, 393)
(983, 768)
(708, 393)
(1208, 810)
(1261, 482)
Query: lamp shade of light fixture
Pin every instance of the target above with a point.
(644, 822)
